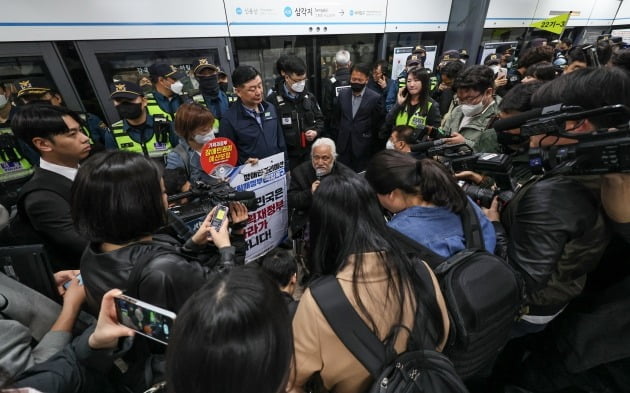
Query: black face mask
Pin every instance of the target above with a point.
(357, 87)
(129, 110)
(223, 86)
(209, 85)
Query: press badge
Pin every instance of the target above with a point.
(286, 121)
(159, 146)
(417, 121)
(267, 115)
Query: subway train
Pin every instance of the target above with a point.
(84, 46)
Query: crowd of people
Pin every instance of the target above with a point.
(379, 155)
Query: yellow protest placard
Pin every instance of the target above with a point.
(555, 25)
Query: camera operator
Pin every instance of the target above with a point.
(559, 230)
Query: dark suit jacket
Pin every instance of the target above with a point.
(357, 136)
(44, 203)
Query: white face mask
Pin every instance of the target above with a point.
(495, 68)
(472, 110)
(204, 138)
(3, 101)
(390, 145)
(298, 87)
(177, 87)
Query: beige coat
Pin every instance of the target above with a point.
(317, 348)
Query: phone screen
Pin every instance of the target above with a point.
(146, 319)
(67, 283)
(219, 216)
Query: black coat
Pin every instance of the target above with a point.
(44, 207)
(358, 135)
(300, 196)
(167, 281)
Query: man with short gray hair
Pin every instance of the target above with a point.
(306, 178)
(331, 88)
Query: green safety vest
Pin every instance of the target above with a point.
(152, 148)
(13, 164)
(416, 120)
(154, 108)
(86, 130)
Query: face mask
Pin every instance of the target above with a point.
(146, 89)
(177, 87)
(495, 68)
(204, 138)
(357, 87)
(223, 86)
(129, 110)
(209, 85)
(390, 145)
(3, 101)
(298, 87)
(472, 110)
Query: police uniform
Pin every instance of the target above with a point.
(212, 97)
(15, 168)
(297, 113)
(155, 138)
(98, 132)
(157, 103)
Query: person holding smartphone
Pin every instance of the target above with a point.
(414, 107)
(129, 189)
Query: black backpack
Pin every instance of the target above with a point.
(416, 370)
(483, 294)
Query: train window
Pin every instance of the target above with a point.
(16, 68)
(262, 53)
(134, 66)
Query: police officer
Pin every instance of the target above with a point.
(138, 130)
(33, 90)
(301, 118)
(210, 93)
(168, 88)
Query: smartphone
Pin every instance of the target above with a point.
(148, 320)
(67, 283)
(502, 72)
(220, 215)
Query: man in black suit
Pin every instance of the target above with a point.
(44, 201)
(359, 113)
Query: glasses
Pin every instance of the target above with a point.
(469, 100)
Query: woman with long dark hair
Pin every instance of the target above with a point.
(414, 106)
(232, 336)
(349, 240)
(119, 203)
(426, 201)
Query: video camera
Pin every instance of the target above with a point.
(460, 157)
(598, 152)
(434, 134)
(207, 196)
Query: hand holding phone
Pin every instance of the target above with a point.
(148, 320)
(67, 283)
(220, 215)
(217, 226)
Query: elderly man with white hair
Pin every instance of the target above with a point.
(306, 177)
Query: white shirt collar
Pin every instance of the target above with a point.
(64, 171)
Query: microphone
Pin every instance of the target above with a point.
(517, 120)
(240, 195)
(319, 173)
(424, 146)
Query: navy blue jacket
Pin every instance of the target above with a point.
(250, 138)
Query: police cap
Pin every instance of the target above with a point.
(201, 63)
(413, 60)
(165, 71)
(32, 86)
(128, 90)
(492, 59)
